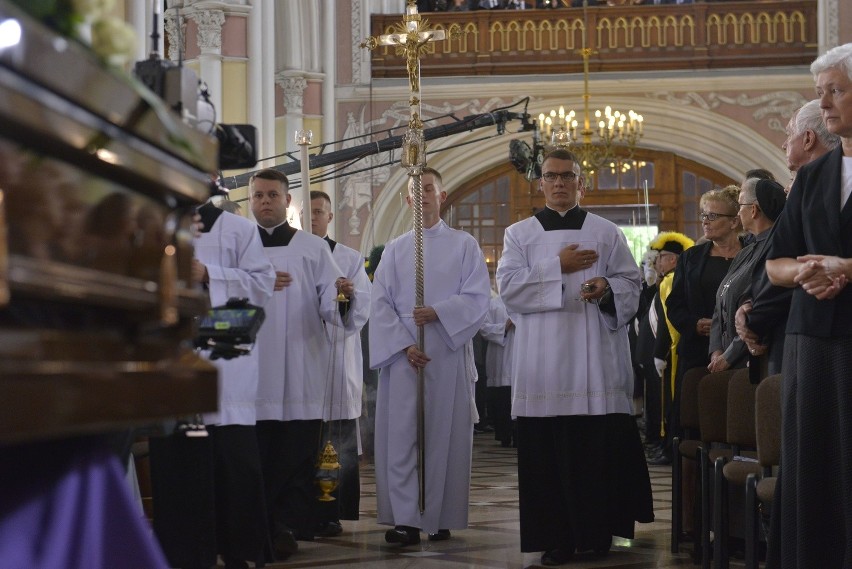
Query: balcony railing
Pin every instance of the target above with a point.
(624, 38)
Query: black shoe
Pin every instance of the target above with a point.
(442, 535)
(554, 557)
(284, 545)
(663, 459)
(328, 529)
(403, 535)
(235, 563)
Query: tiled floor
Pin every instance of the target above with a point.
(492, 540)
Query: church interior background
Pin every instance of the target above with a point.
(716, 84)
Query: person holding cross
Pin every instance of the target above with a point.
(456, 299)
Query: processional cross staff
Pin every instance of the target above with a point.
(411, 39)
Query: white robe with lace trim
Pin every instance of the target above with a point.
(457, 287)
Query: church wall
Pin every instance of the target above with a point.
(234, 93)
(845, 22)
(235, 37)
(343, 45)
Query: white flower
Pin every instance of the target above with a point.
(113, 39)
(93, 9)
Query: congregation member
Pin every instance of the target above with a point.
(762, 320)
(568, 278)
(346, 383)
(456, 294)
(669, 246)
(811, 252)
(294, 355)
(643, 356)
(499, 331)
(699, 272)
(761, 202)
(208, 492)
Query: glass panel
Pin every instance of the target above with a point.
(628, 176)
(704, 185)
(503, 215)
(638, 237)
(646, 172)
(607, 178)
(689, 189)
(503, 190)
(486, 213)
(486, 193)
(487, 236)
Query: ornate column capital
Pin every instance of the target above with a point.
(210, 24)
(176, 31)
(294, 89)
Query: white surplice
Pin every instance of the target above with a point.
(571, 358)
(346, 388)
(236, 267)
(292, 344)
(457, 287)
(498, 357)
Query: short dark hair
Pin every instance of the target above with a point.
(319, 194)
(270, 174)
(563, 154)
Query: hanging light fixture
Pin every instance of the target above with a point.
(596, 139)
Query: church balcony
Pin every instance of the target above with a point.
(718, 35)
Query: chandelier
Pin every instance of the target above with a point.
(595, 140)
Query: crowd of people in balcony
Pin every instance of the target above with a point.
(471, 5)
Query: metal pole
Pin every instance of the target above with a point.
(303, 139)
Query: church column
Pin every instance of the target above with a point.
(261, 78)
(209, 23)
(329, 115)
(293, 85)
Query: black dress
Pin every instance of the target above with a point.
(812, 510)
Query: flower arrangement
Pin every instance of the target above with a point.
(88, 21)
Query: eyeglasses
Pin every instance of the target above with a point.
(566, 176)
(712, 216)
(749, 203)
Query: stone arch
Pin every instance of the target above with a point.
(704, 136)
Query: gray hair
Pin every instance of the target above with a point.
(748, 190)
(809, 117)
(839, 57)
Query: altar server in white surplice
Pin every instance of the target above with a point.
(499, 330)
(456, 294)
(581, 467)
(294, 359)
(208, 492)
(344, 392)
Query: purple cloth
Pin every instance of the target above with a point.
(66, 505)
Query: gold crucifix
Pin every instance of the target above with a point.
(410, 38)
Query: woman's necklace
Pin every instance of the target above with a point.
(722, 251)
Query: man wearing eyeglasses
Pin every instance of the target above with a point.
(571, 281)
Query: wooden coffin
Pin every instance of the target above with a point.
(98, 185)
